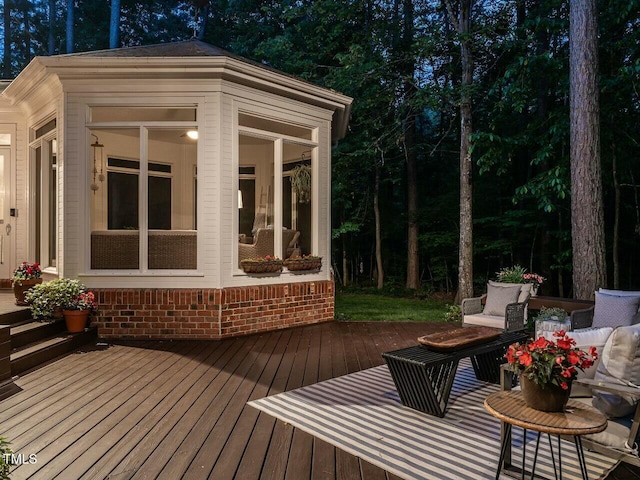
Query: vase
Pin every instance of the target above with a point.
(550, 398)
(20, 289)
(76, 320)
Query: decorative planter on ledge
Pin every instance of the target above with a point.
(265, 266)
(295, 264)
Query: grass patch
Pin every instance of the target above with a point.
(365, 307)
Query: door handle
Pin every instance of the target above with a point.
(8, 228)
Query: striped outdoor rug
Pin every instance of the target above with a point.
(361, 414)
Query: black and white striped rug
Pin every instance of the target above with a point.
(362, 414)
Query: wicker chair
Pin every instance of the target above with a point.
(263, 244)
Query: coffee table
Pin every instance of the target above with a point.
(424, 377)
(578, 419)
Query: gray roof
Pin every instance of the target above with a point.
(188, 48)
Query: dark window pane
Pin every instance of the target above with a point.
(159, 203)
(122, 201)
(46, 128)
(247, 212)
(118, 162)
(158, 167)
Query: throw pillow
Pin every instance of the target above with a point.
(619, 364)
(614, 310)
(526, 289)
(499, 297)
(586, 338)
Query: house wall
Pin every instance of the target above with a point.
(218, 299)
(211, 313)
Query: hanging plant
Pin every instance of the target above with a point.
(301, 182)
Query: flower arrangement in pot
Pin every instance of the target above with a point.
(304, 262)
(25, 276)
(548, 368)
(59, 296)
(266, 264)
(76, 312)
(518, 274)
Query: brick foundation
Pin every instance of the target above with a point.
(211, 313)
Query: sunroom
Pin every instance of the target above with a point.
(154, 171)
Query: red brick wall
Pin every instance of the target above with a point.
(211, 313)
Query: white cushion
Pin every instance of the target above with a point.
(526, 289)
(614, 310)
(586, 338)
(619, 364)
(614, 436)
(499, 297)
(493, 321)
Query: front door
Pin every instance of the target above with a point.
(6, 224)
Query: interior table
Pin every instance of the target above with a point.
(578, 419)
(424, 377)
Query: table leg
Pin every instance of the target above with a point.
(581, 460)
(506, 444)
(553, 458)
(535, 456)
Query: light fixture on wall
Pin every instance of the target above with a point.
(240, 204)
(98, 151)
(192, 134)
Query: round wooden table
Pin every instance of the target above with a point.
(578, 419)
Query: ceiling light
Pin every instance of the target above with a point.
(192, 134)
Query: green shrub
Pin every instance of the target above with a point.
(5, 459)
(453, 313)
(45, 298)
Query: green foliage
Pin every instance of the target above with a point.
(5, 464)
(552, 313)
(453, 313)
(512, 274)
(46, 297)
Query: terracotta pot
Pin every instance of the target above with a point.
(76, 320)
(20, 290)
(549, 398)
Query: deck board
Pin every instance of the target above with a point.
(178, 409)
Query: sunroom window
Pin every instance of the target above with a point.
(143, 205)
(274, 185)
(44, 154)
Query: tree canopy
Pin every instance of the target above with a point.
(401, 60)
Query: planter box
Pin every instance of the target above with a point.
(251, 266)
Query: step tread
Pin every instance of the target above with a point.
(41, 345)
(31, 325)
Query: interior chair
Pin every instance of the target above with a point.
(503, 307)
(263, 244)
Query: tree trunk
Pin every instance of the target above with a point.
(345, 262)
(376, 212)
(26, 18)
(114, 25)
(587, 224)
(52, 24)
(6, 55)
(203, 25)
(413, 259)
(462, 24)
(70, 22)
(616, 222)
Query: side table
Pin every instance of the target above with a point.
(578, 419)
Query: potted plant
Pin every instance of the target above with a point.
(25, 277)
(77, 310)
(518, 274)
(48, 299)
(547, 369)
(266, 264)
(304, 262)
(301, 182)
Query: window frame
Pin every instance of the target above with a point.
(47, 228)
(143, 171)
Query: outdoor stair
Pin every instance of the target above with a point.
(26, 344)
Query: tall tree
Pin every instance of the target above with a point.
(460, 17)
(51, 44)
(587, 221)
(6, 54)
(114, 25)
(70, 22)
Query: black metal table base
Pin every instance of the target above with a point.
(504, 465)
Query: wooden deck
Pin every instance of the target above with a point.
(177, 409)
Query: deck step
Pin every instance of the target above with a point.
(16, 317)
(36, 354)
(32, 331)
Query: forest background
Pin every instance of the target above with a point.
(396, 175)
